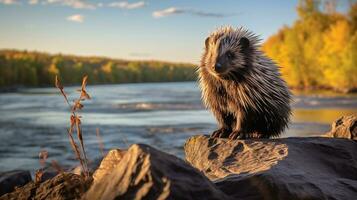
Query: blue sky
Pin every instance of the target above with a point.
(172, 30)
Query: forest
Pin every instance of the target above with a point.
(319, 51)
(22, 68)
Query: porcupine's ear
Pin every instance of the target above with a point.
(207, 42)
(244, 43)
(245, 49)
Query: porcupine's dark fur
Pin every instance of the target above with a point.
(242, 87)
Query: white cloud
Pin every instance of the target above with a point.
(33, 2)
(76, 18)
(9, 2)
(78, 4)
(53, 1)
(166, 12)
(173, 10)
(127, 5)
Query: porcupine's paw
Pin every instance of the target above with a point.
(220, 133)
(237, 135)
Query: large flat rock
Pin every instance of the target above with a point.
(289, 168)
(142, 172)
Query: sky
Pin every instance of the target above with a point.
(168, 30)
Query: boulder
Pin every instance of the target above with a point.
(61, 187)
(45, 174)
(110, 161)
(344, 127)
(11, 179)
(146, 173)
(50, 172)
(92, 166)
(289, 168)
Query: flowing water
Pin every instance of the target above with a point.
(162, 115)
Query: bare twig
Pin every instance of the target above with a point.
(42, 156)
(100, 142)
(56, 166)
(76, 150)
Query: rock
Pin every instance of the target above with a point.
(48, 174)
(146, 173)
(110, 161)
(10, 180)
(290, 168)
(92, 166)
(63, 186)
(344, 127)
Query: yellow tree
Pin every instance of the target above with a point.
(332, 59)
(318, 50)
(350, 63)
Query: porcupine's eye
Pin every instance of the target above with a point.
(230, 55)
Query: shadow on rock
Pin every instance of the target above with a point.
(289, 168)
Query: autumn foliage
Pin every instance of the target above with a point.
(320, 49)
(25, 68)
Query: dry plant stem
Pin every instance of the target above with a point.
(56, 166)
(125, 141)
(60, 87)
(38, 175)
(76, 150)
(100, 141)
(76, 123)
(79, 135)
(42, 156)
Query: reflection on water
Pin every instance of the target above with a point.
(322, 116)
(163, 115)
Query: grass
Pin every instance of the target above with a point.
(42, 156)
(74, 133)
(100, 142)
(75, 123)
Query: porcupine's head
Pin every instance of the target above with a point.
(229, 53)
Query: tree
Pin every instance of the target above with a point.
(319, 50)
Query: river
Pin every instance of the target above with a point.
(163, 115)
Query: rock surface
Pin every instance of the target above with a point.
(61, 187)
(344, 127)
(110, 161)
(10, 180)
(146, 173)
(289, 168)
(92, 166)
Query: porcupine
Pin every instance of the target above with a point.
(242, 87)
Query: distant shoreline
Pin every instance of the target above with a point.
(16, 88)
(12, 89)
